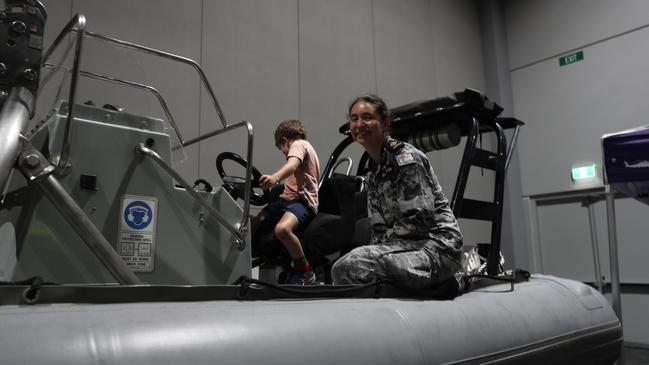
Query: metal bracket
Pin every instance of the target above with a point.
(32, 163)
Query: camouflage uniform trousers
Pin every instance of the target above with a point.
(415, 264)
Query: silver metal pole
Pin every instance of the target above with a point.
(612, 247)
(511, 147)
(136, 85)
(65, 151)
(87, 231)
(239, 240)
(77, 24)
(616, 296)
(340, 161)
(594, 242)
(170, 56)
(248, 187)
(13, 122)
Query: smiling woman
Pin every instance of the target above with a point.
(416, 240)
(369, 122)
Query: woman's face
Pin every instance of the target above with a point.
(365, 125)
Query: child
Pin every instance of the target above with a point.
(298, 202)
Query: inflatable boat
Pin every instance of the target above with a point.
(108, 255)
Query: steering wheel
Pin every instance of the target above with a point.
(236, 185)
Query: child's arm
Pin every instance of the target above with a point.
(268, 181)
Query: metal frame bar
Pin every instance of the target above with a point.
(172, 121)
(136, 85)
(14, 118)
(465, 164)
(239, 240)
(38, 170)
(170, 56)
(77, 24)
(342, 160)
(511, 147)
(248, 185)
(493, 260)
(608, 194)
(334, 156)
(616, 296)
(531, 216)
(92, 237)
(613, 255)
(594, 243)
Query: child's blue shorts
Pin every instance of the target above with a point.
(298, 208)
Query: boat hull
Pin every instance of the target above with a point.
(545, 320)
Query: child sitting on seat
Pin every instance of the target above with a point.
(298, 202)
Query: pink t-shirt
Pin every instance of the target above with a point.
(303, 184)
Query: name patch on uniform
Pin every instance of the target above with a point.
(405, 158)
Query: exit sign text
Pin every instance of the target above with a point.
(571, 58)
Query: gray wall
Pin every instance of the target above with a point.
(277, 59)
(567, 110)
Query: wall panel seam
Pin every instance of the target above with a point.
(580, 47)
(376, 79)
(299, 63)
(200, 86)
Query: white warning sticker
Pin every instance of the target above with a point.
(137, 229)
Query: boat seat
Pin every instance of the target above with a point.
(341, 223)
(338, 227)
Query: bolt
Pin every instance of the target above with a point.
(18, 27)
(201, 217)
(31, 74)
(32, 160)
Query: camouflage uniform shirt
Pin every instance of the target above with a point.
(415, 237)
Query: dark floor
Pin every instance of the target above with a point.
(636, 355)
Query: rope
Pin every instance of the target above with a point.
(378, 286)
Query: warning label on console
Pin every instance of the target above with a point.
(136, 243)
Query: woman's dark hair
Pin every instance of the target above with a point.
(290, 129)
(378, 103)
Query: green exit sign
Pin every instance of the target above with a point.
(584, 172)
(571, 58)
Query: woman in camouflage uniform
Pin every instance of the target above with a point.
(416, 240)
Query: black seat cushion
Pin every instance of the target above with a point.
(336, 195)
(327, 234)
(333, 229)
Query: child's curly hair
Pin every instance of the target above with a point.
(289, 129)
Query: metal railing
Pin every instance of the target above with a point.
(14, 117)
(77, 26)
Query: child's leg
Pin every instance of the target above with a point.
(284, 232)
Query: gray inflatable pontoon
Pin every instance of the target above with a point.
(546, 320)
